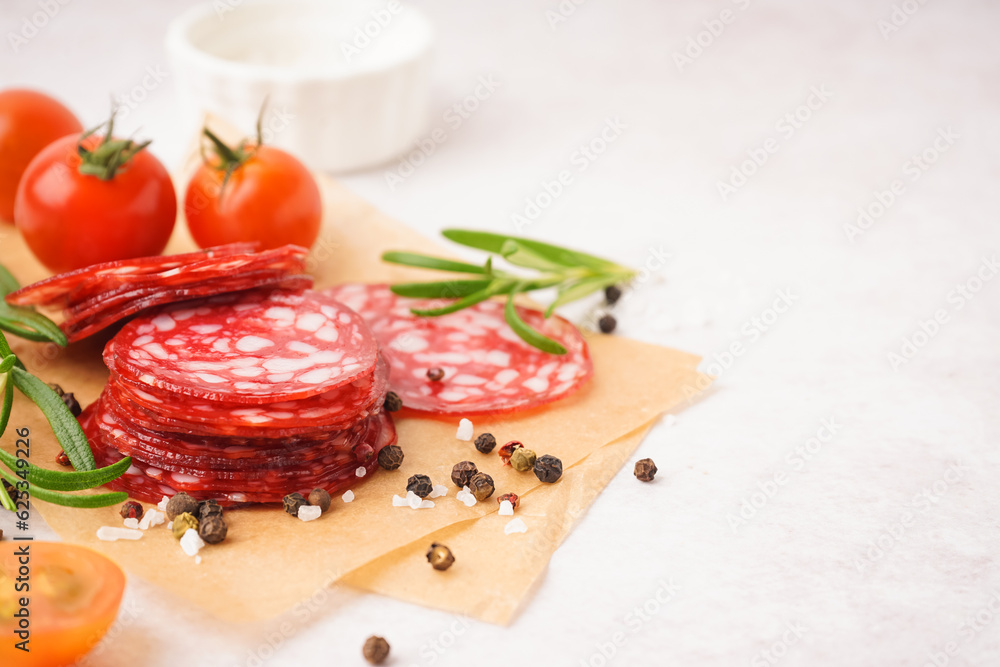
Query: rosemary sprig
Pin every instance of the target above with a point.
(44, 484)
(25, 322)
(574, 274)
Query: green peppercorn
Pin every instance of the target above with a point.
(320, 497)
(440, 557)
(390, 457)
(507, 450)
(420, 485)
(181, 503)
(607, 324)
(463, 472)
(612, 293)
(645, 470)
(486, 442)
(183, 522)
(481, 486)
(548, 469)
(293, 501)
(522, 460)
(376, 650)
(392, 402)
(212, 529)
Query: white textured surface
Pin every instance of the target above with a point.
(659, 563)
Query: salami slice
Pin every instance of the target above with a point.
(487, 368)
(85, 324)
(332, 410)
(59, 289)
(150, 483)
(253, 348)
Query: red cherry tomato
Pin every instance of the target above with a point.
(71, 219)
(269, 197)
(74, 597)
(29, 121)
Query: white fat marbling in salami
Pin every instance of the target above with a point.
(253, 348)
(487, 368)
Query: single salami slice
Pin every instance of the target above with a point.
(150, 483)
(330, 411)
(58, 289)
(252, 348)
(88, 323)
(487, 368)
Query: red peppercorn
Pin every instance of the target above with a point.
(364, 453)
(131, 510)
(512, 497)
(62, 459)
(508, 449)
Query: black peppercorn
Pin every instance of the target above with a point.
(62, 459)
(463, 472)
(72, 404)
(207, 508)
(607, 324)
(612, 293)
(420, 485)
(131, 510)
(376, 650)
(392, 402)
(320, 497)
(645, 470)
(435, 374)
(481, 486)
(180, 504)
(440, 556)
(293, 501)
(486, 442)
(390, 457)
(507, 450)
(548, 469)
(213, 529)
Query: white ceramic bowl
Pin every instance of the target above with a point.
(346, 81)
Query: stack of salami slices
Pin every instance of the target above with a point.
(243, 397)
(95, 297)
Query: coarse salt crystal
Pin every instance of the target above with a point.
(132, 523)
(156, 518)
(398, 501)
(438, 491)
(191, 543)
(146, 518)
(506, 508)
(515, 526)
(170, 525)
(162, 505)
(348, 496)
(464, 430)
(112, 533)
(426, 504)
(361, 471)
(413, 500)
(310, 512)
(197, 560)
(670, 420)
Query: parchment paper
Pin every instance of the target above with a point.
(271, 561)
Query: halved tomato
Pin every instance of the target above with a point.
(73, 594)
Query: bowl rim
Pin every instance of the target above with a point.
(179, 46)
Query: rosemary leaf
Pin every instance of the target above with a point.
(64, 425)
(67, 500)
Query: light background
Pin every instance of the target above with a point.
(800, 558)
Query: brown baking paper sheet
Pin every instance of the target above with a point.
(370, 539)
